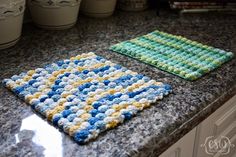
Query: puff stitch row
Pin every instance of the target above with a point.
(87, 94)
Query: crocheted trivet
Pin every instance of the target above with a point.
(86, 94)
(175, 54)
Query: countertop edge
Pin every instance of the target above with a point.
(163, 144)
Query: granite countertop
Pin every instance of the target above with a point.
(23, 133)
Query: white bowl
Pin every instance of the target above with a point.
(98, 8)
(56, 15)
(11, 19)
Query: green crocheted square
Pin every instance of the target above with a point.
(175, 54)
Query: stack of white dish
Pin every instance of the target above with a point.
(11, 18)
(54, 14)
(98, 8)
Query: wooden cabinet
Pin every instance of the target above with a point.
(219, 126)
(182, 148)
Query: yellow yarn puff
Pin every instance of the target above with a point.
(112, 124)
(12, 85)
(37, 95)
(138, 105)
(62, 71)
(62, 101)
(80, 68)
(130, 88)
(48, 83)
(118, 107)
(89, 101)
(28, 98)
(88, 108)
(55, 73)
(31, 72)
(112, 91)
(98, 65)
(115, 114)
(27, 78)
(146, 105)
(74, 128)
(51, 113)
(72, 58)
(64, 95)
(158, 83)
(85, 116)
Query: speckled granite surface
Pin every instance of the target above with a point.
(22, 133)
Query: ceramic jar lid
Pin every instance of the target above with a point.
(11, 8)
(54, 3)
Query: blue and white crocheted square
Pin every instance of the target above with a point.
(87, 94)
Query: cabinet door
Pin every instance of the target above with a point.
(183, 147)
(221, 125)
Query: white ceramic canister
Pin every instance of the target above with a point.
(11, 19)
(133, 5)
(54, 14)
(98, 8)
